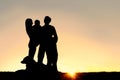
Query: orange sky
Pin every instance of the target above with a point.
(88, 33)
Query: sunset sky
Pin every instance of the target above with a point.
(88, 33)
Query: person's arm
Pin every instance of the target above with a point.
(55, 36)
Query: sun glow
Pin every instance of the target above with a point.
(72, 74)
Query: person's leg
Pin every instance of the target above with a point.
(49, 61)
(32, 49)
(54, 57)
(41, 53)
(32, 52)
(55, 63)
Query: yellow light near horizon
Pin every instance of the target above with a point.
(72, 74)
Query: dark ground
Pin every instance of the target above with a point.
(23, 75)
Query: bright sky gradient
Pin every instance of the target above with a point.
(88, 33)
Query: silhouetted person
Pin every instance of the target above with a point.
(34, 33)
(48, 44)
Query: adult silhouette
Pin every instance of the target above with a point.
(48, 44)
(34, 33)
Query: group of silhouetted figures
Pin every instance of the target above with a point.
(46, 38)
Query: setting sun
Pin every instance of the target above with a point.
(72, 74)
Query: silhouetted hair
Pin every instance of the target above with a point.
(28, 21)
(47, 19)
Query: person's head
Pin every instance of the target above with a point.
(28, 22)
(37, 22)
(47, 20)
